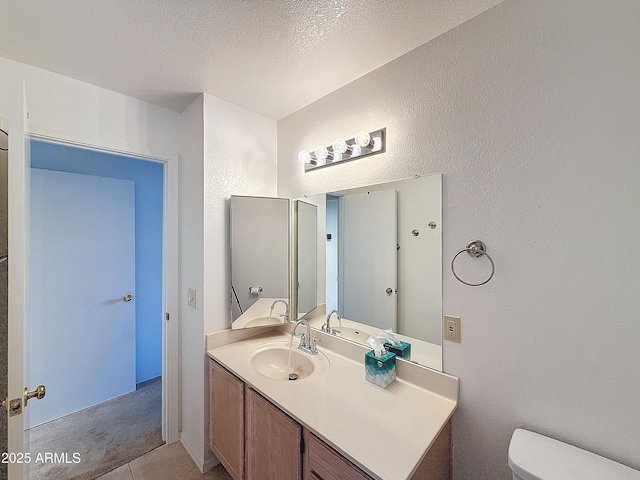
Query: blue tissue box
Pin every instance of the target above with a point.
(380, 371)
(403, 350)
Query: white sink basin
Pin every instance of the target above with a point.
(272, 361)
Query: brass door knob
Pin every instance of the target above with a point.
(127, 298)
(389, 290)
(38, 394)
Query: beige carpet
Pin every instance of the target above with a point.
(104, 436)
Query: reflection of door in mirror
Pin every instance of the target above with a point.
(368, 258)
(307, 258)
(259, 231)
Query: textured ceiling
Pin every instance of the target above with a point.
(270, 56)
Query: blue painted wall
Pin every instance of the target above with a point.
(149, 181)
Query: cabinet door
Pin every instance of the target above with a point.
(322, 462)
(273, 441)
(226, 419)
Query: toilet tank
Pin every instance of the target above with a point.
(536, 457)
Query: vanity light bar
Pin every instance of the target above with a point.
(340, 151)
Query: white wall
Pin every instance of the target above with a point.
(76, 111)
(226, 150)
(191, 276)
(531, 111)
(239, 159)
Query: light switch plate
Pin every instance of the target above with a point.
(191, 298)
(451, 328)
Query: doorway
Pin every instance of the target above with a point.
(70, 166)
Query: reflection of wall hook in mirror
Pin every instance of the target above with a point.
(415, 232)
(475, 249)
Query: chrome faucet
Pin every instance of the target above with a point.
(286, 311)
(327, 326)
(307, 342)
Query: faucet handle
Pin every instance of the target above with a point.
(312, 344)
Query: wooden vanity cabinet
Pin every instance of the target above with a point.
(226, 419)
(273, 441)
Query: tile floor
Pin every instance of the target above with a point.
(168, 462)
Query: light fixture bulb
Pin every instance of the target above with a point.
(339, 145)
(362, 138)
(377, 144)
(321, 153)
(304, 157)
(321, 161)
(356, 151)
(337, 156)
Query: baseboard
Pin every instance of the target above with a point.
(204, 465)
(198, 460)
(147, 377)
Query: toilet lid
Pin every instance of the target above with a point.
(536, 457)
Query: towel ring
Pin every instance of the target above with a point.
(474, 249)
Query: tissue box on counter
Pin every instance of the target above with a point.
(380, 371)
(403, 350)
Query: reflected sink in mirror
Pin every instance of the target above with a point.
(349, 330)
(272, 361)
(263, 321)
(354, 334)
(263, 312)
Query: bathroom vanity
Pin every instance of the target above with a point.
(329, 422)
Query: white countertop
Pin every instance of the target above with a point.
(386, 432)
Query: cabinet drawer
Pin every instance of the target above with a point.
(324, 463)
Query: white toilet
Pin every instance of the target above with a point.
(536, 457)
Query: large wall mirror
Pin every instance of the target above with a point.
(260, 241)
(378, 262)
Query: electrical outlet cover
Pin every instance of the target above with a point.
(451, 328)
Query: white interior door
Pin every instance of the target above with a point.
(81, 333)
(368, 258)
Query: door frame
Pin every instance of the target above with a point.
(19, 165)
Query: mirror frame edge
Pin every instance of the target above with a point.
(293, 259)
